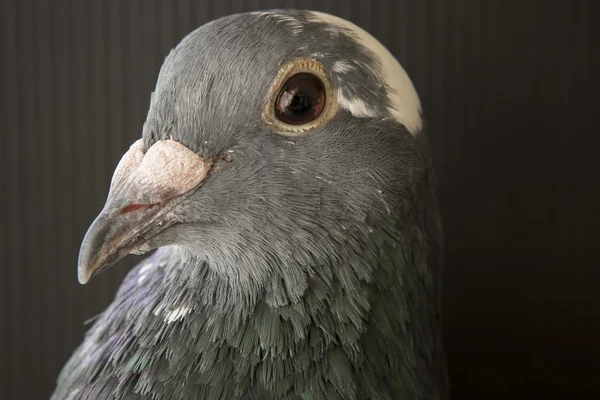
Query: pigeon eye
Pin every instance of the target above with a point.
(300, 99)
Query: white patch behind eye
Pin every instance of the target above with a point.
(342, 67)
(355, 105)
(405, 106)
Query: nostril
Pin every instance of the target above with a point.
(135, 207)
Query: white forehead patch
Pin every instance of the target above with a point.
(405, 106)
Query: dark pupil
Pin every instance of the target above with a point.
(301, 103)
(301, 99)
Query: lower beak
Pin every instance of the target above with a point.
(145, 190)
(117, 232)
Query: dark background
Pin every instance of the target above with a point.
(509, 94)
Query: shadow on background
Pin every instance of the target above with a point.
(508, 97)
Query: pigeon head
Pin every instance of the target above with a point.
(274, 140)
(283, 173)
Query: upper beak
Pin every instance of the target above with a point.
(144, 191)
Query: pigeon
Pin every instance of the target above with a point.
(285, 185)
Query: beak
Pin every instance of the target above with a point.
(145, 189)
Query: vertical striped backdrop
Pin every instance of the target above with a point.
(511, 101)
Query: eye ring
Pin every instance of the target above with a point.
(307, 71)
